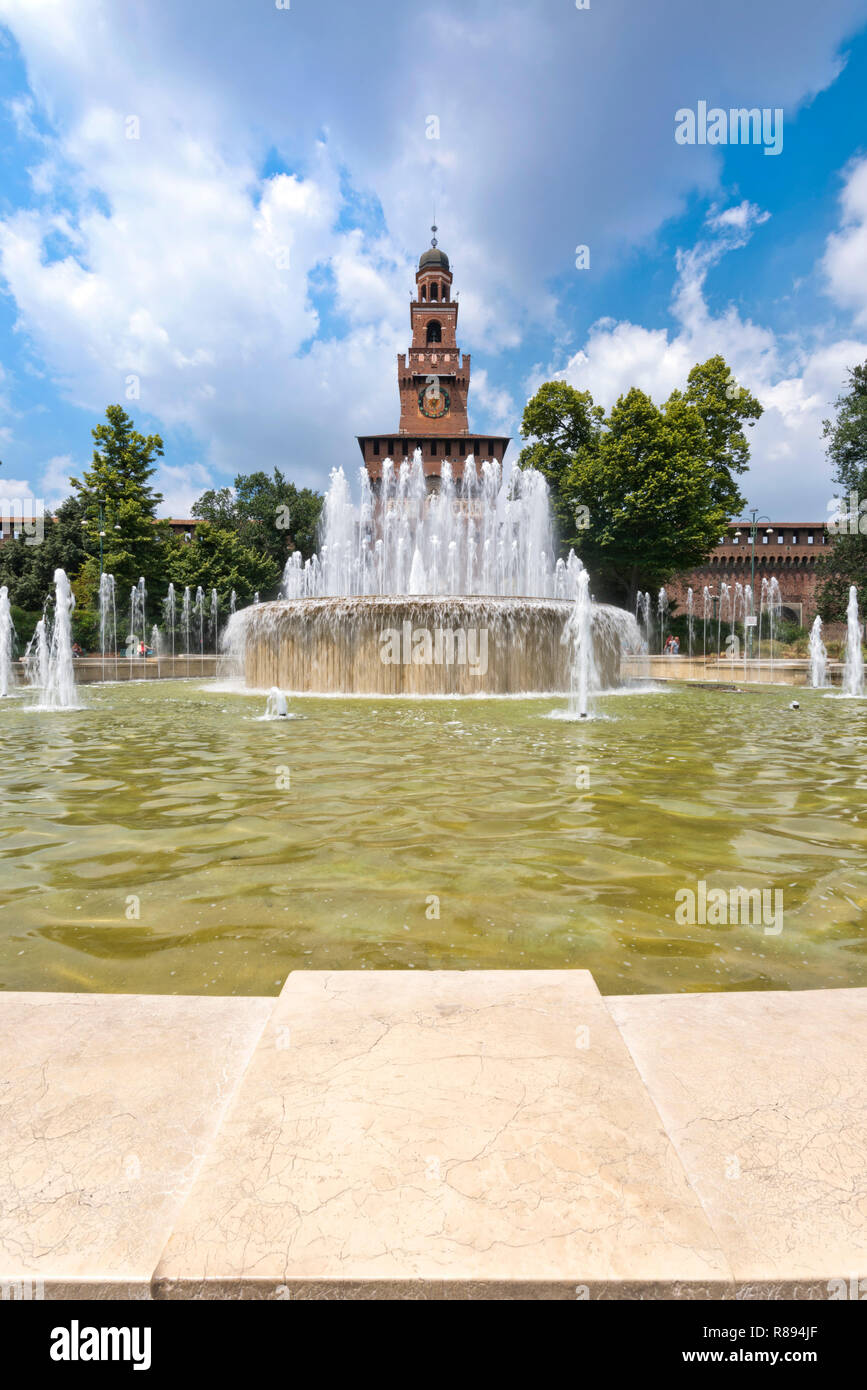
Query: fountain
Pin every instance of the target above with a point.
(662, 611)
(59, 687)
(186, 620)
(583, 676)
(277, 706)
(7, 639)
(775, 608)
(853, 670)
(818, 655)
(156, 647)
(199, 615)
(107, 620)
(214, 621)
(36, 656)
(170, 618)
(690, 623)
(450, 592)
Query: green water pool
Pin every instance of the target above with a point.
(166, 839)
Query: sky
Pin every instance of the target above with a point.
(212, 212)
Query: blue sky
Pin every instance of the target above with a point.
(247, 256)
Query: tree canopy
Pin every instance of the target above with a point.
(846, 561)
(268, 513)
(644, 491)
(218, 559)
(118, 500)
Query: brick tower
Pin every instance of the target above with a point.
(433, 382)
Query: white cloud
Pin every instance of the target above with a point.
(845, 262)
(796, 382)
(54, 479)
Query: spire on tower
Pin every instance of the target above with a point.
(434, 229)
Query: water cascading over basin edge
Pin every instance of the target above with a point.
(387, 645)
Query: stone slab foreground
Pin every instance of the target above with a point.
(107, 1106)
(410, 1133)
(431, 1135)
(764, 1097)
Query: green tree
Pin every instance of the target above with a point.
(724, 407)
(561, 423)
(644, 492)
(118, 499)
(846, 562)
(218, 559)
(650, 496)
(268, 513)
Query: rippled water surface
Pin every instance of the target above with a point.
(149, 842)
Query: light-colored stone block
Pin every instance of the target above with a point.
(107, 1105)
(441, 1134)
(764, 1096)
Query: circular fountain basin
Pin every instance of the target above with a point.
(390, 645)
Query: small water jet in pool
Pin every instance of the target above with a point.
(818, 655)
(36, 656)
(853, 671)
(7, 638)
(107, 620)
(583, 675)
(59, 689)
(277, 706)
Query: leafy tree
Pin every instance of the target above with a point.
(269, 514)
(724, 407)
(119, 480)
(643, 492)
(846, 562)
(650, 496)
(561, 422)
(218, 559)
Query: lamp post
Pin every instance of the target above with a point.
(100, 502)
(755, 522)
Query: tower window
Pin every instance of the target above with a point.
(434, 331)
(433, 448)
(376, 446)
(424, 294)
(433, 292)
